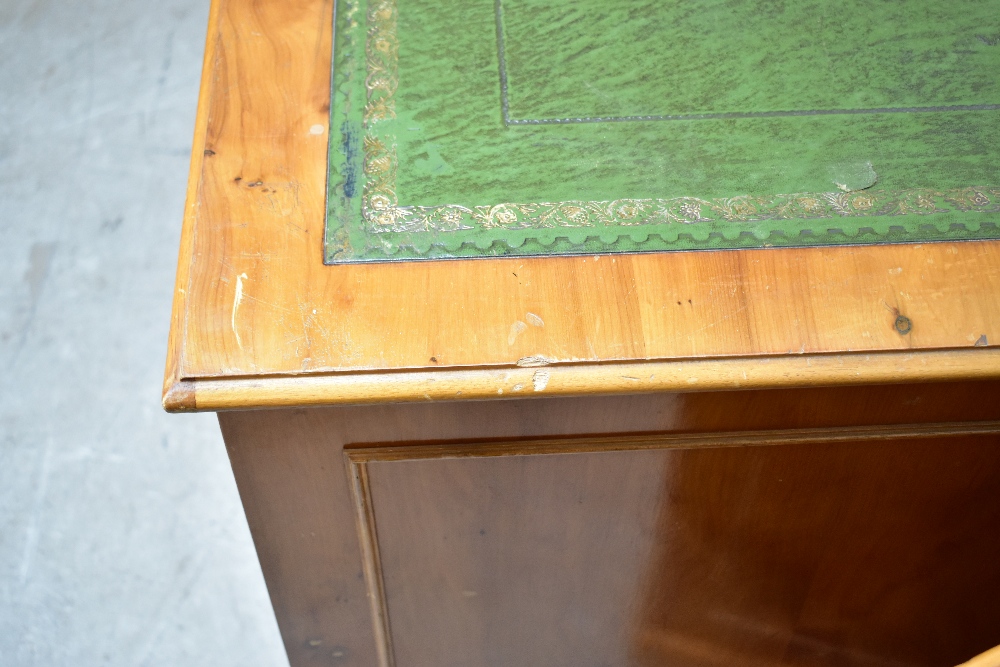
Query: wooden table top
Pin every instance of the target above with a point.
(260, 321)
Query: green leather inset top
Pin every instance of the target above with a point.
(472, 128)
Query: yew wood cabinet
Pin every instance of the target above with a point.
(712, 457)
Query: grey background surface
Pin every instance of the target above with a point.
(122, 538)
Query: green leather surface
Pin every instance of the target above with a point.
(465, 128)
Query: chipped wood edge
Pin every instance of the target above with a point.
(172, 391)
(735, 373)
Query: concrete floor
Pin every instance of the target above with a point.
(122, 538)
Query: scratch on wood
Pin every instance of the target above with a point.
(266, 304)
(534, 320)
(237, 300)
(515, 330)
(306, 321)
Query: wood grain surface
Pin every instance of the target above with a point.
(849, 553)
(575, 531)
(574, 380)
(254, 300)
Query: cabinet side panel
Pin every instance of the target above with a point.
(290, 473)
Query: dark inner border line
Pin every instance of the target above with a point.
(507, 120)
(745, 114)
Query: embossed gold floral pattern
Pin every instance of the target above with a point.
(682, 210)
(382, 61)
